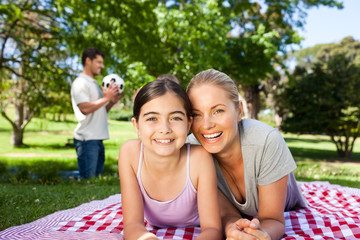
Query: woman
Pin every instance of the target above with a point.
(253, 164)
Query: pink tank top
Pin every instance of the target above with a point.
(182, 211)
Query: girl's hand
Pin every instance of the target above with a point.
(148, 236)
(245, 229)
(235, 230)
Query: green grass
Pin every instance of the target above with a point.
(317, 148)
(46, 145)
(31, 187)
(317, 160)
(49, 138)
(23, 203)
(334, 173)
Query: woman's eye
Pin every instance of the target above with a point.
(218, 111)
(195, 115)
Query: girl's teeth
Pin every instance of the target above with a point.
(163, 141)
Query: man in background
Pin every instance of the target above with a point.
(91, 105)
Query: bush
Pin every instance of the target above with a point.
(52, 172)
(43, 172)
(120, 115)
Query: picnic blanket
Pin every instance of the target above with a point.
(333, 213)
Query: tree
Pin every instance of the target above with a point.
(125, 31)
(325, 99)
(265, 29)
(139, 38)
(32, 62)
(193, 37)
(185, 37)
(167, 37)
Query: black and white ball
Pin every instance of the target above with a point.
(116, 81)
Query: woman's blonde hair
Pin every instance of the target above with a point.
(217, 78)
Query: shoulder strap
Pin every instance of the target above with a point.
(188, 160)
(140, 161)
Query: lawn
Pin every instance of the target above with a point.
(31, 185)
(23, 203)
(317, 160)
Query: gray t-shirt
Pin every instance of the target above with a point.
(267, 159)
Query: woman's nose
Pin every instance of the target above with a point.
(208, 122)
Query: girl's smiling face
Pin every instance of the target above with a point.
(215, 117)
(163, 124)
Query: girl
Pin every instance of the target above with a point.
(163, 180)
(253, 164)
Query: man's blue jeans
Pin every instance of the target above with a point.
(90, 157)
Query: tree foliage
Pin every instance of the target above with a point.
(163, 37)
(125, 31)
(32, 62)
(265, 29)
(325, 99)
(184, 37)
(193, 37)
(142, 39)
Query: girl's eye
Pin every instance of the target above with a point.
(195, 115)
(177, 118)
(151, 119)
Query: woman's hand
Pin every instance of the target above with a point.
(256, 230)
(245, 229)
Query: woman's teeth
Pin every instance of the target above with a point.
(214, 135)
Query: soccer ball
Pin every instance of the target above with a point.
(116, 81)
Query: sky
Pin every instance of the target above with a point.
(328, 25)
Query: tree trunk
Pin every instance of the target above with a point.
(343, 148)
(18, 131)
(348, 154)
(19, 123)
(17, 136)
(278, 120)
(252, 97)
(21, 119)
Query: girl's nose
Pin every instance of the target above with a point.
(165, 128)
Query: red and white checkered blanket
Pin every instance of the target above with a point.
(333, 213)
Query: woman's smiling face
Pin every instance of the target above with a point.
(215, 117)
